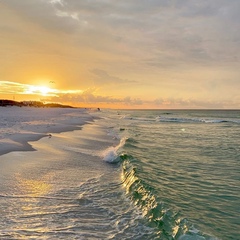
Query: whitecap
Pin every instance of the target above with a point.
(110, 154)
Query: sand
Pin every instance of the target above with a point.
(21, 125)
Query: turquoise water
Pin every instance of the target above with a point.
(182, 169)
(129, 175)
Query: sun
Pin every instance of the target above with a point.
(40, 90)
(44, 90)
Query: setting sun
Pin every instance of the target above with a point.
(42, 90)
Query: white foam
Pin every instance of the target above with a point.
(213, 120)
(110, 154)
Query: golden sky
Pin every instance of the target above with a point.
(121, 54)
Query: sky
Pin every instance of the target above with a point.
(121, 53)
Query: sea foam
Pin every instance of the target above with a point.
(110, 154)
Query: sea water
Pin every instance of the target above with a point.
(182, 170)
(142, 174)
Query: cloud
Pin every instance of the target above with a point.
(104, 78)
(7, 87)
(147, 48)
(171, 31)
(43, 13)
(188, 103)
(89, 96)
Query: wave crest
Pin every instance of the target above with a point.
(170, 224)
(111, 155)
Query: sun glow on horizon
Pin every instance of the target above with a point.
(42, 90)
(8, 87)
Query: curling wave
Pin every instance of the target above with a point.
(170, 224)
(110, 155)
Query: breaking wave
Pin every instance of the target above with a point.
(183, 120)
(111, 155)
(194, 120)
(169, 223)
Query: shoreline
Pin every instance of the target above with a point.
(7, 103)
(19, 126)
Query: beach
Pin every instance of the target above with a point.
(19, 125)
(64, 189)
(126, 174)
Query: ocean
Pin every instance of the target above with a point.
(130, 174)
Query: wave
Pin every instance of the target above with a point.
(193, 120)
(182, 120)
(170, 224)
(111, 155)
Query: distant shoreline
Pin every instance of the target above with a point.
(5, 103)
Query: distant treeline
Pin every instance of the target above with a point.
(5, 103)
